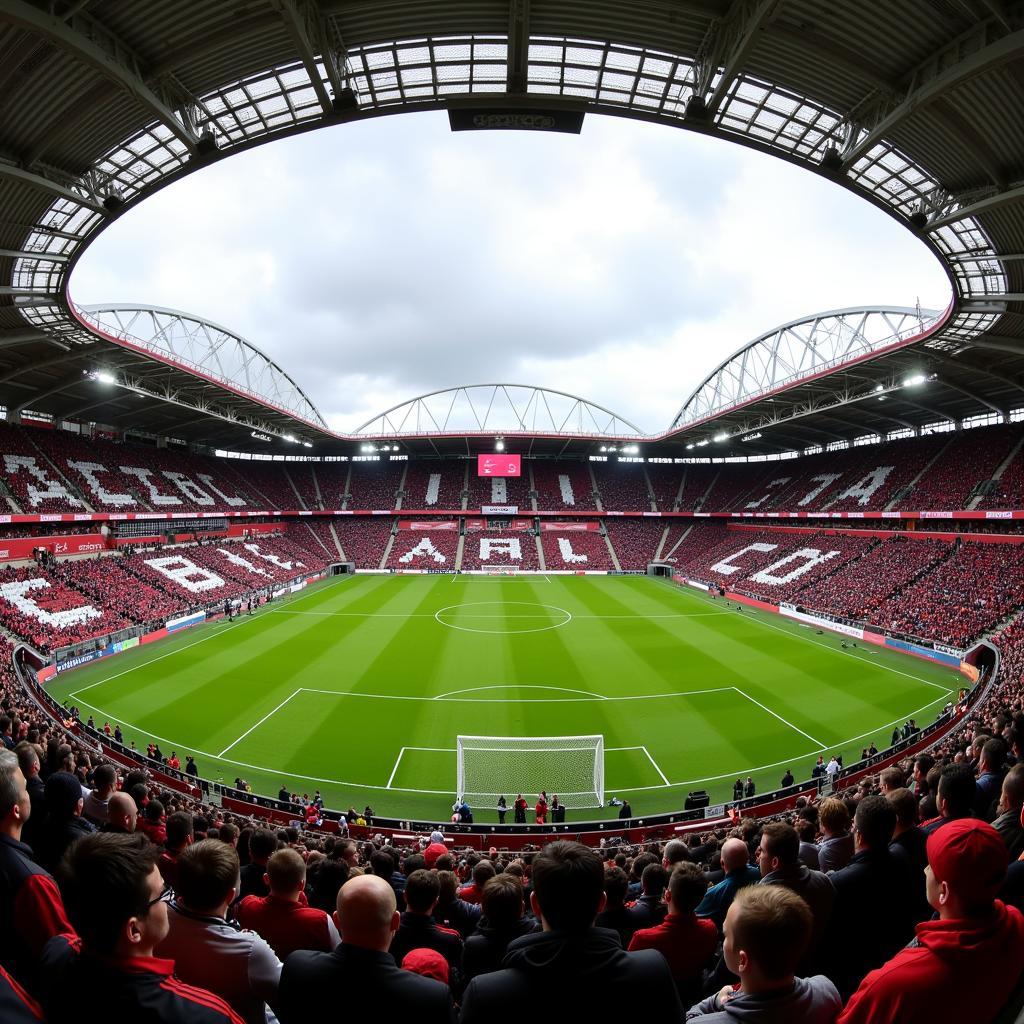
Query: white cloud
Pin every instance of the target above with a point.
(386, 259)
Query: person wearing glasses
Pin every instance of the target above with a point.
(116, 900)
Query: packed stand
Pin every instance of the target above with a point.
(578, 550)
(500, 549)
(428, 549)
(1008, 492)
(116, 589)
(697, 481)
(499, 490)
(563, 485)
(322, 540)
(635, 540)
(303, 477)
(622, 486)
(364, 539)
(434, 485)
(331, 477)
(30, 478)
(374, 485)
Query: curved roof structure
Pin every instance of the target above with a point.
(499, 409)
(914, 106)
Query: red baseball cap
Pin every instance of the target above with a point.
(427, 962)
(970, 856)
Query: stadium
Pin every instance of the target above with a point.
(497, 616)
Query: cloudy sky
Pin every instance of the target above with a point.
(386, 259)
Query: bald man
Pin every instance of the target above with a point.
(122, 813)
(739, 872)
(367, 919)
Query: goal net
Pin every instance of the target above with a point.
(570, 766)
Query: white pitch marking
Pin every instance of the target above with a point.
(260, 722)
(516, 686)
(664, 778)
(796, 728)
(398, 761)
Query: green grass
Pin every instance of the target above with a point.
(325, 690)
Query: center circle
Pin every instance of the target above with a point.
(520, 622)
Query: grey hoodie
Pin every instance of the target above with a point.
(810, 1001)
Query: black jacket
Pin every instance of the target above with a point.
(485, 948)
(310, 981)
(873, 916)
(556, 976)
(419, 932)
(56, 836)
(646, 912)
(252, 883)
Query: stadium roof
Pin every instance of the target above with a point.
(912, 104)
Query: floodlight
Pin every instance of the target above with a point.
(499, 444)
(722, 436)
(105, 377)
(913, 382)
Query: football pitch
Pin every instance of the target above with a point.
(359, 687)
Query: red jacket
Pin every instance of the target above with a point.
(432, 852)
(684, 940)
(286, 924)
(953, 971)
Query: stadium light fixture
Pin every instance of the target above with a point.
(307, 444)
(499, 444)
(915, 381)
(879, 387)
(722, 436)
(689, 447)
(103, 376)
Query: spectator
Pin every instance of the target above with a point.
(28, 761)
(615, 915)
(570, 969)
(418, 929)
(104, 782)
(808, 830)
(450, 910)
(115, 899)
(778, 857)
(685, 941)
(179, 835)
(64, 823)
(502, 922)
(767, 931)
(650, 908)
(483, 872)
(873, 916)
(954, 796)
(122, 814)
(367, 919)
(253, 877)
(1011, 802)
(964, 964)
(153, 823)
(435, 849)
(739, 872)
(31, 909)
(990, 779)
(427, 963)
(890, 780)
(836, 849)
(908, 845)
(239, 966)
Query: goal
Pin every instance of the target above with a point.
(570, 766)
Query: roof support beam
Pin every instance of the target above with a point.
(962, 59)
(988, 202)
(726, 46)
(85, 39)
(44, 184)
(1014, 346)
(34, 254)
(304, 24)
(518, 47)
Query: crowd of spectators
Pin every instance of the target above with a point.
(511, 549)
(364, 539)
(563, 484)
(426, 549)
(374, 485)
(434, 484)
(578, 550)
(635, 541)
(622, 486)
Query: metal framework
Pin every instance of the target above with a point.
(501, 409)
(920, 122)
(800, 350)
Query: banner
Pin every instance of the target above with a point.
(83, 544)
(499, 464)
(585, 527)
(185, 621)
(428, 525)
(474, 525)
(790, 612)
(499, 510)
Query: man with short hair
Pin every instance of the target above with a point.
(767, 930)
(990, 778)
(280, 918)
(239, 966)
(649, 909)
(28, 761)
(483, 872)
(571, 970)
(418, 930)
(675, 852)
(252, 881)
(104, 783)
(685, 941)
(615, 916)
(367, 918)
(739, 872)
(873, 915)
(954, 796)
(122, 814)
(1008, 811)
(778, 858)
(115, 898)
(502, 921)
(836, 849)
(890, 780)
(964, 965)
(31, 908)
(179, 835)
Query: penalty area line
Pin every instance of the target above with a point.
(664, 777)
(259, 723)
(795, 728)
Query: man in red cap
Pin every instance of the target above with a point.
(965, 965)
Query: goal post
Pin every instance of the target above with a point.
(570, 766)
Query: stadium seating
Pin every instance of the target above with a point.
(635, 540)
(511, 490)
(364, 539)
(374, 485)
(426, 549)
(578, 550)
(665, 480)
(500, 549)
(303, 477)
(322, 540)
(622, 486)
(30, 478)
(562, 485)
(434, 484)
(112, 586)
